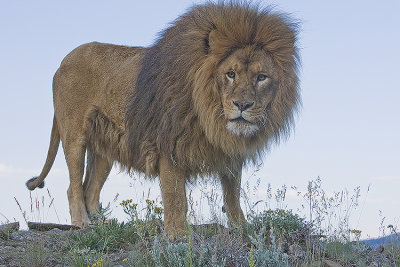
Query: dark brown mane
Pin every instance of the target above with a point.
(174, 111)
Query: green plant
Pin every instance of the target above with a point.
(139, 257)
(267, 255)
(101, 215)
(266, 240)
(151, 224)
(109, 235)
(330, 213)
(170, 254)
(35, 255)
(252, 261)
(86, 257)
(167, 253)
(393, 249)
(189, 247)
(103, 237)
(285, 223)
(340, 251)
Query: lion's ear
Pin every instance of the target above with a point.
(212, 41)
(218, 44)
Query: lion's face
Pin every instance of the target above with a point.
(247, 83)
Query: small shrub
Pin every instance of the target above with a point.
(354, 253)
(150, 225)
(166, 253)
(393, 251)
(139, 257)
(35, 256)
(265, 255)
(170, 254)
(109, 235)
(103, 237)
(286, 225)
(340, 251)
(87, 258)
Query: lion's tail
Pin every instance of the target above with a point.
(51, 155)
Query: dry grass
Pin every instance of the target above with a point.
(274, 235)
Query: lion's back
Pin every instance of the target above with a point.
(90, 90)
(96, 75)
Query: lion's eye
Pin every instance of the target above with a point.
(231, 75)
(261, 77)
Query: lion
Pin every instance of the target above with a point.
(216, 90)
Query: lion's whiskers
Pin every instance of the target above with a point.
(221, 113)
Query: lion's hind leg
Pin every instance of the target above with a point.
(97, 170)
(75, 156)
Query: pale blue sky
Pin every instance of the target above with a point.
(347, 133)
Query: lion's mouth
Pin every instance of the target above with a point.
(240, 119)
(241, 127)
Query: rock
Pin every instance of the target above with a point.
(16, 236)
(48, 226)
(55, 230)
(6, 249)
(10, 226)
(52, 261)
(330, 263)
(28, 235)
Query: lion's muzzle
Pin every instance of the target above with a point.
(243, 105)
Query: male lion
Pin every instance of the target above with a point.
(214, 91)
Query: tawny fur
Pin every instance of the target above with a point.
(169, 110)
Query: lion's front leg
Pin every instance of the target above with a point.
(173, 191)
(230, 182)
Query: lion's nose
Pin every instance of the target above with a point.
(243, 105)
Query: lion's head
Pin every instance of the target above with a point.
(250, 75)
(247, 82)
(224, 72)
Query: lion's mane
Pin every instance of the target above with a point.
(175, 111)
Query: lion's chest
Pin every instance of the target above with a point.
(200, 157)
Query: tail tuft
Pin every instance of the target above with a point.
(31, 184)
(51, 155)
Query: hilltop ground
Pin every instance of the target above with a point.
(140, 242)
